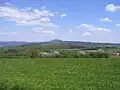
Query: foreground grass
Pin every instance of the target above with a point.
(60, 74)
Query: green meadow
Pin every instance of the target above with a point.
(60, 74)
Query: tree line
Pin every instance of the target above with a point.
(36, 53)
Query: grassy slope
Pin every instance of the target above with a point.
(65, 74)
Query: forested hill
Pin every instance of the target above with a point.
(68, 44)
(59, 44)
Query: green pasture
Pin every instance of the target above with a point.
(60, 74)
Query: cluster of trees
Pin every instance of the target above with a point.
(35, 53)
(82, 54)
(69, 54)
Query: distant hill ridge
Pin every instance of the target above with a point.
(11, 43)
(57, 43)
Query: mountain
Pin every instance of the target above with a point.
(58, 44)
(11, 43)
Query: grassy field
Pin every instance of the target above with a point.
(60, 74)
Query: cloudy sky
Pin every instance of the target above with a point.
(43, 20)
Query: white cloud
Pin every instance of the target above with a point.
(103, 29)
(91, 27)
(83, 25)
(44, 20)
(41, 13)
(44, 32)
(112, 7)
(7, 3)
(63, 15)
(49, 32)
(93, 33)
(86, 34)
(51, 14)
(35, 34)
(26, 16)
(106, 19)
(49, 25)
(118, 25)
(24, 22)
(39, 19)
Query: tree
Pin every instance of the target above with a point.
(33, 53)
(101, 51)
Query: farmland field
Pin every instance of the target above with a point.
(60, 74)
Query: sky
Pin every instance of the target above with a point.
(68, 20)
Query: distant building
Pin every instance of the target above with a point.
(116, 53)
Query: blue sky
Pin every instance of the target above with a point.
(43, 20)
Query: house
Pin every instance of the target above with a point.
(116, 53)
